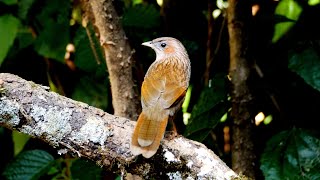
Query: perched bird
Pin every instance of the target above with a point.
(162, 93)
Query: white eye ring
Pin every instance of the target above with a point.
(163, 45)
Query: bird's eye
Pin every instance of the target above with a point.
(163, 45)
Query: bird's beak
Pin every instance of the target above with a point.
(149, 44)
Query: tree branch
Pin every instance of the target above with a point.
(85, 131)
(119, 59)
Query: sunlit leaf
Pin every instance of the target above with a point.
(221, 4)
(216, 13)
(160, 2)
(289, 9)
(8, 30)
(293, 154)
(224, 117)
(208, 111)
(29, 165)
(313, 2)
(134, 2)
(268, 119)
(307, 65)
(186, 101)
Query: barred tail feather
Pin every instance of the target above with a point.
(152, 149)
(147, 136)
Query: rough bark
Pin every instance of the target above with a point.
(84, 131)
(243, 154)
(119, 59)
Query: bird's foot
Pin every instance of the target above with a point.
(171, 135)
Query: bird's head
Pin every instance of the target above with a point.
(166, 47)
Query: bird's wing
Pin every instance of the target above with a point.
(164, 85)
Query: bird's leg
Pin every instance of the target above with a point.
(173, 132)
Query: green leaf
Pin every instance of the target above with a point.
(19, 140)
(92, 91)
(50, 46)
(53, 29)
(313, 2)
(24, 38)
(29, 165)
(307, 65)
(141, 21)
(141, 16)
(289, 9)
(82, 169)
(293, 154)
(88, 55)
(58, 169)
(9, 28)
(9, 2)
(209, 109)
(135, 2)
(24, 7)
(186, 101)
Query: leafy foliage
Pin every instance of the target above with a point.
(141, 21)
(36, 164)
(9, 28)
(292, 154)
(29, 165)
(53, 29)
(88, 57)
(287, 9)
(209, 109)
(10, 2)
(92, 91)
(141, 16)
(20, 140)
(313, 2)
(24, 7)
(24, 38)
(307, 65)
(82, 169)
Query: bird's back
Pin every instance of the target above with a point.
(165, 81)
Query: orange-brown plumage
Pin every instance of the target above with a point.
(162, 94)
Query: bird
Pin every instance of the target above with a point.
(162, 94)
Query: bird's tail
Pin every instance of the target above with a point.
(147, 135)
